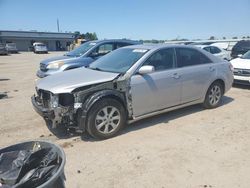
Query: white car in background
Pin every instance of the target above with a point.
(218, 52)
(242, 69)
(40, 48)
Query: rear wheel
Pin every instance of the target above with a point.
(214, 95)
(106, 118)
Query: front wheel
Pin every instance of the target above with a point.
(106, 118)
(214, 95)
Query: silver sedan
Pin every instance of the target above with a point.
(132, 83)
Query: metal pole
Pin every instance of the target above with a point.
(58, 29)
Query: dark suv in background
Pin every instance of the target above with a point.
(240, 48)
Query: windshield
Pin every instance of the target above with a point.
(246, 55)
(81, 49)
(42, 45)
(118, 61)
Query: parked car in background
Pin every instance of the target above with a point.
(240, 48)
(39, 47)
(222, 45)
(11, 48)
(129, 84)
(3, 50)
(81, 56)
(242, 69)
(218, 52)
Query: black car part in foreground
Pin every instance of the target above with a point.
(32, 164)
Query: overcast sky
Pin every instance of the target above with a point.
(134, 19)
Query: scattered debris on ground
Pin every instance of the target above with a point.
(3, 95)
(67, 145)
(4, 79)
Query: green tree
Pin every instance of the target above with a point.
(77, 34)
(212, 38)
(90, 36)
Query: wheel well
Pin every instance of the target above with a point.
(84, 112)
(116, 98)
(221, 82)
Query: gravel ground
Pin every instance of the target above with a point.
(191, 147)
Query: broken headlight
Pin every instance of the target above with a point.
(54, 101)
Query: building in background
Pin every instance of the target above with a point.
(25, 39)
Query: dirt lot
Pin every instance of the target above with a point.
(191, 147)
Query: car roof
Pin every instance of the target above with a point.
(202, 46)
(159, 46)
(116, 40)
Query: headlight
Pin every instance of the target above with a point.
(55, 65)
(54, 101)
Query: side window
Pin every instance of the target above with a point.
(161, 60)
(120, 44)
(189, 57)
(207, 49)
(215, 50)
(101, 50)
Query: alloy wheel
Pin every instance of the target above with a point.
(107, 119)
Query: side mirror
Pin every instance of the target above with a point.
(146, 69)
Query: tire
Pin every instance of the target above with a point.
(213, 95)
(106, 118)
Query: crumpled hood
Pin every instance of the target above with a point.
(66, 82)
(240, 63)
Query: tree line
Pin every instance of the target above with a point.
(86, 36)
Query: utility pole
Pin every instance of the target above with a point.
(58, 28)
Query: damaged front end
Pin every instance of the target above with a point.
(71, 109)
(58, 109)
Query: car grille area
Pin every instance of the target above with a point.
(44, 98)
(242, 72)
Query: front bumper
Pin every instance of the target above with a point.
(3, 52)
(44, 112)
(244, 80)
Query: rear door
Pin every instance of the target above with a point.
(196, 71)
(157, 90)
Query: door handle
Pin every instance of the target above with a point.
(176, 76)
(211, 69)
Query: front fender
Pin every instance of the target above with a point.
(92, 99)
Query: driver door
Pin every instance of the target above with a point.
(157, 90)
